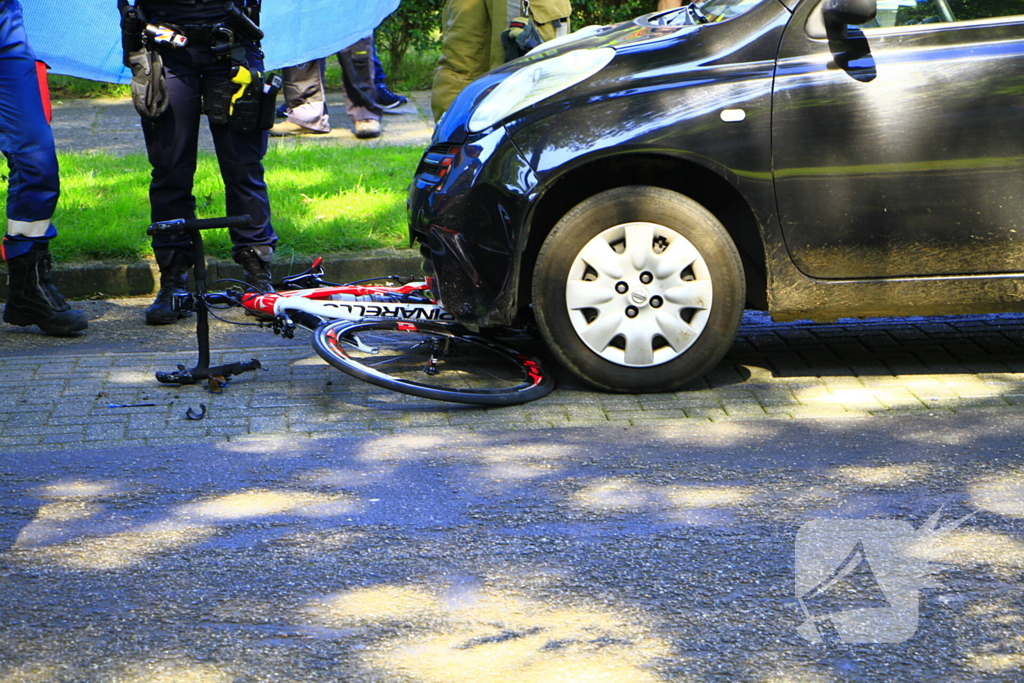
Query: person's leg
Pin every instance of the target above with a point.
(465, 52)
(240, 156)
(360, 93)
(379, 76)
(386, 99)
(305, 97)
(171, 143)
(26, 140)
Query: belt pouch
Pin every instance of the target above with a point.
(244, 108)
(149, 85)
(217, 102)
(268, 102)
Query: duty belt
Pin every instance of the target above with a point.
(201, 34)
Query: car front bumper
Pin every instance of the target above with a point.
(468, 206)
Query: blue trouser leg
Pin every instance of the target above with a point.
(379, 77)
(26, 140)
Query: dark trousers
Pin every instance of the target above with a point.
(360, 89)
(172, 143)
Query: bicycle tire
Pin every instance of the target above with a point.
(432, 360)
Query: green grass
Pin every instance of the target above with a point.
(69, 87)
(324, 200)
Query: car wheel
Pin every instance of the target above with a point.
(638, 289)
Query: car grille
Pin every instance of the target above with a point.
(436, 163)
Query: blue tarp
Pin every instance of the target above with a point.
(83, 39)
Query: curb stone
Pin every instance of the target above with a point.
(117, 280)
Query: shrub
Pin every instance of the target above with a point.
(587, 12)
(415, 24)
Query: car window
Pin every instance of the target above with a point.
(705, 12)
(914, 12)
(720, 10)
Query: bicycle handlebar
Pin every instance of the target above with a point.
(180, 225)
(222, 298)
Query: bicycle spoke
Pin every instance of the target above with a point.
(431, 360)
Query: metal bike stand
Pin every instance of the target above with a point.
(197, 303)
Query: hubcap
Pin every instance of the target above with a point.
(639, 294)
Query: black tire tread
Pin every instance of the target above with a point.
(621, 205)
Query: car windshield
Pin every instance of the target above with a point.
(706, 12)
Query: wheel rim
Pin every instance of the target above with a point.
(432, 360)
(639, 294)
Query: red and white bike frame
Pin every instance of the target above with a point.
(351, 302)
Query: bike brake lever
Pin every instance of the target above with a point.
(308, 279)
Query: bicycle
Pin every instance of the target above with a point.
(396, 336)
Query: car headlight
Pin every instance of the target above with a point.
(537, 81)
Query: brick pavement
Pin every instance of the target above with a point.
(56, 394)
(780, 371)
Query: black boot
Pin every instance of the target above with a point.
(256, 273)
(257, 267)
(33, 299)
(174, 265)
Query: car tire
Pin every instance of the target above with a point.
(638, 289)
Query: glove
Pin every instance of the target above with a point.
(520, 37)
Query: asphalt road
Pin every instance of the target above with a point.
(615, 554)
(313, 529)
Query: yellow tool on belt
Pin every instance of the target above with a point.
(243, 77)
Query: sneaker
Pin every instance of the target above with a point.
(367, 128)
(282, 111)
(286, 128)
(389, 100)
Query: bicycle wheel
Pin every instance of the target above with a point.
(432, 360)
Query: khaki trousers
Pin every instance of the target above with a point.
(471, 40)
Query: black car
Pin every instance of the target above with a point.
(637, 186)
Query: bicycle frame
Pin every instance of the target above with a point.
(377, 313)
(352, 302)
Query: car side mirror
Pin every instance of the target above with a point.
(839, 14)
(831, 17)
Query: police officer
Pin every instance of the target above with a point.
(33, 187)
(196, 57)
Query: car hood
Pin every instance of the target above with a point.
(624, 37)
